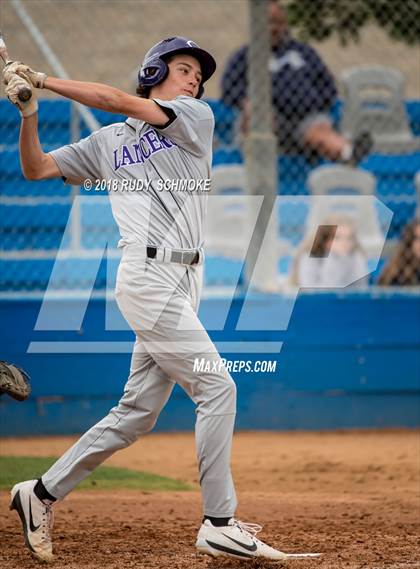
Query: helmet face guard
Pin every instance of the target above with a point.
(155, 69)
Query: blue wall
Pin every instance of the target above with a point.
(348, 360)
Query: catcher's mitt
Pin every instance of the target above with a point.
(14, 381)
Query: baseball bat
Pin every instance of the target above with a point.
(25, 93)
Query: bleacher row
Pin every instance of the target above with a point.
(22, 275)
(43, 226)
(34, 215)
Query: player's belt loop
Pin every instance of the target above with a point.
(155, 253)
(151, 252)
(200, 252)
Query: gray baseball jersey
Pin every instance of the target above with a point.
(133, 152)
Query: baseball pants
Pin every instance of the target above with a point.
(160, 302)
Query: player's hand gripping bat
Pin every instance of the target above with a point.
(25, 93)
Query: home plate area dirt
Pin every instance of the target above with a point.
(353, 496)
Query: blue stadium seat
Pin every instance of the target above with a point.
(98, 225)
(375, 274)
(32, 226)
(20, 187)
(54, 117)
(225, 119)
(54, 122)
(220, 271)
(413, 111)
(395, 186)
(54, 112)
(54, 129)
(106, 119)
(292, 216)
(70, 274)
(404, 212)
(292, 166)
(285, 264)
(292, 171)
(227, 155)
(398, 165)
(34, 274)
(10, 164)
(335, 113)
(12, 182)
(24, 275)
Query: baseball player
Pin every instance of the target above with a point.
(168, 136)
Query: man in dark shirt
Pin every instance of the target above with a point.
(303, 93)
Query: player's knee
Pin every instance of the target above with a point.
(134, 422)
(231, 391)
(217, 395)
(227, 394)
(148, 421)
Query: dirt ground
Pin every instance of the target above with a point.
(354, 496)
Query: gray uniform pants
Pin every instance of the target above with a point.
(159, 301)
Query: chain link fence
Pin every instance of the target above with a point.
(344, 121)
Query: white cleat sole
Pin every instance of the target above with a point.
(214, 554)
(292, 556)
(205, 549)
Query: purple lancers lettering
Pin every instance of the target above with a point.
(149, 143)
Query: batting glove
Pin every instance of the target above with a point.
(17, 67)
(13, 87)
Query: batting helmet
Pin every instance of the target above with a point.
(154, 69)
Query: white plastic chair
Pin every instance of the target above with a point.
(373, 100)
(338, 190)
(227, 215)
(232, 214)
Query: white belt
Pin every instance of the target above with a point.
(166, 254)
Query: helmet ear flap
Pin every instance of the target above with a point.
(153, 73)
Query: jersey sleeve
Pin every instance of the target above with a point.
(79, 161)
(193, 124)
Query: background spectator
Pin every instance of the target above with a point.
(332, 257)
(403, 269)
(303, 92)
